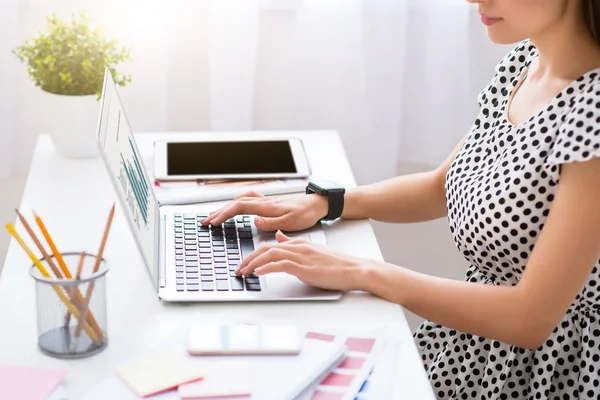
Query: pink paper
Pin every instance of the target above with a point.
(320, 336)
(335, 379)
(28, 383)
(359, 344)
(318, 395)
(352, 363)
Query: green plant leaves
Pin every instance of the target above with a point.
(71, 57)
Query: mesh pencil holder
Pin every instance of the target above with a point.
(71, 313)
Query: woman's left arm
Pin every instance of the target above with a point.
(523, 315)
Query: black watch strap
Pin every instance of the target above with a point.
(336, 204)
(335, 198)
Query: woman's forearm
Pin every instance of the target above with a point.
(410, 198)
(495, 312)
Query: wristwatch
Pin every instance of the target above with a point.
(334, 194)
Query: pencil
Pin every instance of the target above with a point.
(39, 245)
(90, 287)
(77, 277)
(55, 251)
(73, 344)
(11, 229)
(67, 273)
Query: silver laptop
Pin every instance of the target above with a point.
(188, 261)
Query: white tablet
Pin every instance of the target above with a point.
(244, 339)
(230, 159)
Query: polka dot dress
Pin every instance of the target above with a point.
(500, 188)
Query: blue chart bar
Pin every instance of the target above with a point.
(138, 186)
(142, 181)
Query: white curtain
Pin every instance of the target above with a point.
(398, 79)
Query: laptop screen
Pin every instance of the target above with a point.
(128, 174)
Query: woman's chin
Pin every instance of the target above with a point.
(500, 36)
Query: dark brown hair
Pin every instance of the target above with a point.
(591, 13)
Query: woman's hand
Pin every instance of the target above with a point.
(313, 264)
(292, 213)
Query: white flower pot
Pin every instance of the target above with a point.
(72, 122)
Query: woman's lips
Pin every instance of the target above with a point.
(487, 21)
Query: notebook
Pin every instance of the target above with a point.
(302, 372)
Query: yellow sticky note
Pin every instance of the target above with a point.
(160, 373)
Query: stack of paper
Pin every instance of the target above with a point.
(348, 380)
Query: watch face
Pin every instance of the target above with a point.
(327, 185)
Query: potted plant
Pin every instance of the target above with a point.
(68, 63)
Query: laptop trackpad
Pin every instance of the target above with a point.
(267, 239)
(285, 285)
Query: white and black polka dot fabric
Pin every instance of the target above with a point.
(499, 189)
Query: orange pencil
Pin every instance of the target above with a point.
(77, 277)
(39, 245)
(90, 287)
(55, 251)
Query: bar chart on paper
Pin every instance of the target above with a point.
(135, 187)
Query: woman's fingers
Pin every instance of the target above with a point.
(269, 253)
(287, 266)
(246, 197)
(251, 193)
(257, 206)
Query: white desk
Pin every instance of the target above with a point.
(74, 196)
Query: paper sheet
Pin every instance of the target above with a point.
(225, 379)
(159, 373)
(31, 383)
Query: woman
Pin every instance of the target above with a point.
(522, 196)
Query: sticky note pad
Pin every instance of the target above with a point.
(160, 373)
(16, 382)
(223, 379)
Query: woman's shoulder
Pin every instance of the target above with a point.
(517, 58)
(507, 71)
(578, 137)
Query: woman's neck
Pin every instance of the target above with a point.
(565, 51)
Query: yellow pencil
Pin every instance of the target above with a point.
(11, 229)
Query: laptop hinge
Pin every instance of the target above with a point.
(162, 252)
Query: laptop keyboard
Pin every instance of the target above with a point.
(206, 257)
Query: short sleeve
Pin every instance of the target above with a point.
(579, 135)
(507, 71)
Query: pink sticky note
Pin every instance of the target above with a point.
(360, 344)
(30, 383)
(335, 379)
(318, 395)
(352, 363)
(320, 336)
